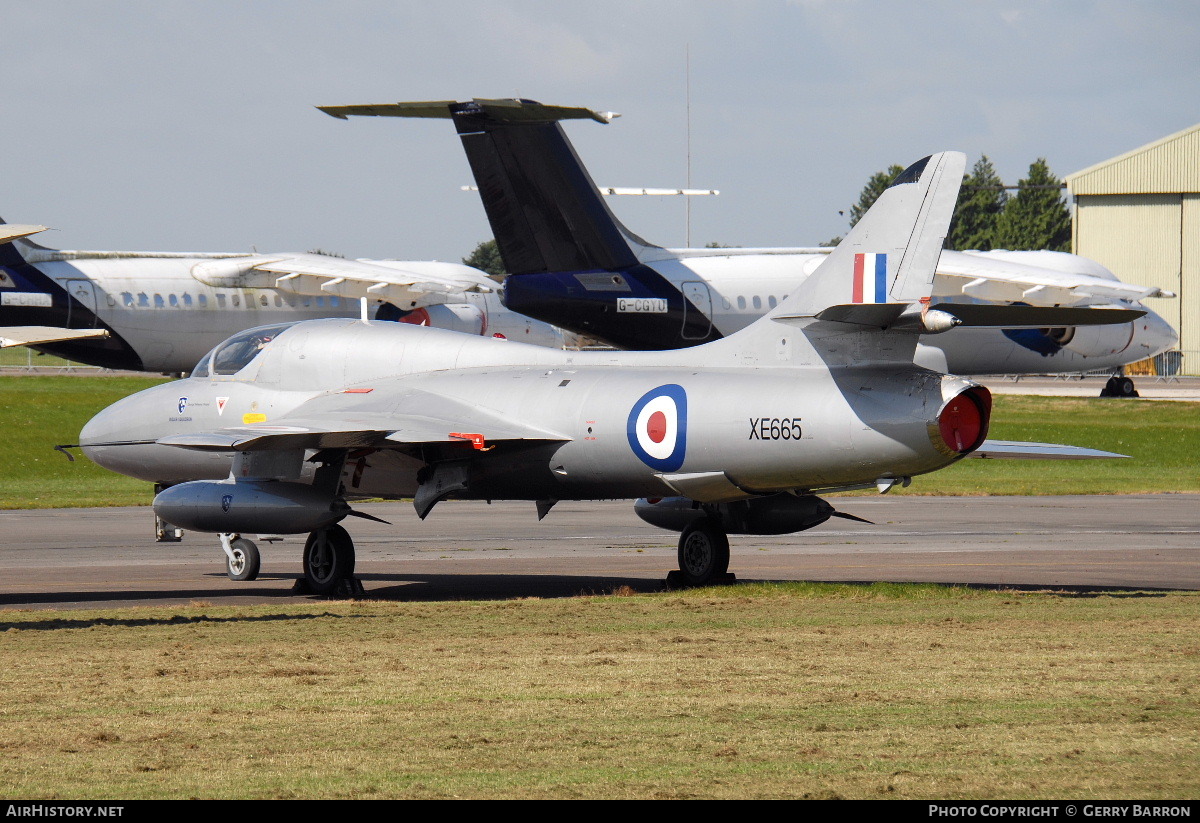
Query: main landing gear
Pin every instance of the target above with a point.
(328, 562)
(703, 556)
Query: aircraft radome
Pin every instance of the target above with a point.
(280, 428)
(162, 311)
(573, 264)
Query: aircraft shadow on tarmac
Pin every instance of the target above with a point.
(452, 587)
(138, 622)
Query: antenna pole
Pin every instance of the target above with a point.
(688, 101)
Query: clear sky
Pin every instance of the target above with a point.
(189, 126)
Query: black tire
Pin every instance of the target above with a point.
(703, 553)
(328, 559)
(245, 562)
(1125, 387)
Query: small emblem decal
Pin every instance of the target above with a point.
(221, 401)
(182, 404)
(227, 503)
(657, 427)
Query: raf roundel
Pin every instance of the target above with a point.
(657, 427)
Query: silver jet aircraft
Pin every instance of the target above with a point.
(280, 427)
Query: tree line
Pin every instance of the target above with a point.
(986, 216)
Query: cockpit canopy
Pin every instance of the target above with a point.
(233, 355)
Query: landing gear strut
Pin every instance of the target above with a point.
(242, 560)
(329, 561)
(703, 556)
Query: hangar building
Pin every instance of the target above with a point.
(1139, 215)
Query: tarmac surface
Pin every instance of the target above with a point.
(104, 558)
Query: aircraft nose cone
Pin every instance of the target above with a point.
(1155, 333)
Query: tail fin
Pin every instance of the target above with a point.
(864, 303)
(885, 265)
(545, 211)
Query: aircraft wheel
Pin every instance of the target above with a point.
(703, 553)
(328, 559)
(245, 561)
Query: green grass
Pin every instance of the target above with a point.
(786, 690)
(1162, 438)
(38, 413)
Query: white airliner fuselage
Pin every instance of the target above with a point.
(161, 318)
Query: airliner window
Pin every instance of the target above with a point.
(235, 353)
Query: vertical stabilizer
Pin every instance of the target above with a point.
(864, 304)
(545, 211)
(890, 256)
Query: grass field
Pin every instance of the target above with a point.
(1162, 438)
(38, 413)
(789, 690)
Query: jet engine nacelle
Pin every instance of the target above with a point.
(777, 514)
(460, 317)
(1093, 341)
(236, 273)
(256, 506)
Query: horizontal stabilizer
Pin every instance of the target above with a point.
(1016, 450)
(1009, 317)
(10, 232)
(880, 315)
(505, 111)
(32, 335)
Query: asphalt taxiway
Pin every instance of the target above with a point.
(99, 558)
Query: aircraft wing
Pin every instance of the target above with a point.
(1039, 278)
(1017, 450)
(993, 277)
(406, 284)
(11, 231)
(32, 335)
(377, 417)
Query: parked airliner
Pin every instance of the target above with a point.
(163, 311)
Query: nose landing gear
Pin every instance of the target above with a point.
(242, 560)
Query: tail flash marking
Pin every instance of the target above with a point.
(870, 278)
